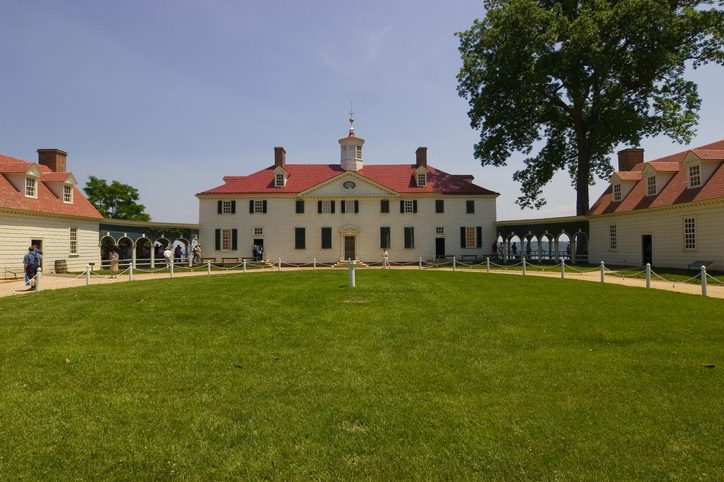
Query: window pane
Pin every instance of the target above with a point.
(690, 233)
(226, 239)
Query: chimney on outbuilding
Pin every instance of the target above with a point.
(421, 153)
(628, 158)
(279, 156)
(52, 158)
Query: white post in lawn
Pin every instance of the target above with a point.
(563, 268)
(648, 275)
(280, 265)
(208, 266)
(38, 278)
(244, 265)
(523, 258)
(703, 280)
(487, 263)
(130, 272)
(350, 263)
(87, 275)
(603, 272)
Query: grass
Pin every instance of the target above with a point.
(409, 376)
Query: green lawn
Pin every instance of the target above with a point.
(412, 375)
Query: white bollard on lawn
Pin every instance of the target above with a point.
(87, 275)
(208, 267)
(563, 268)
(130, 272)
(603, 272)
(487, 262)
(648, 275)
(38, 278)
(350, 263)
(523, 258)
(244, 260)
(703, 281)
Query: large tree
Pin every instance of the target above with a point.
(116, 200)
(583, 76)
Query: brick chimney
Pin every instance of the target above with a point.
(52, 158)
(628, 158)
(279, 156)
(421, 153)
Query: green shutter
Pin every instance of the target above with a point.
(332, 206)
(479, 231)
(326, 238)
(402, 206)
(463, 238)
(233, 207)
(218, 207)
(263, 206)
(251, 206)
(218, 239)
(414, 206)
(356, 206)
(234, 239)
(319, 207)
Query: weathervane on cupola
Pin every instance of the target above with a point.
(351, 147)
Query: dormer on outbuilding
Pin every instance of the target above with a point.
(60, 184)
(657, 175)
(25, 181)
(700, 164)
(622, 182)
(351, 150)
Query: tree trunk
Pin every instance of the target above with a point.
(583, 173)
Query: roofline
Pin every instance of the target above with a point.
(668, 207)
(565, 219)
(45, 214)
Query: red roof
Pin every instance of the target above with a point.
(674, 192)
(397, 177)
(46, 202)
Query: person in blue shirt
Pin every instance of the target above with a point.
(31, 261)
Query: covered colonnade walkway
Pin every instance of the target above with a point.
(548, 239)
(142, 243)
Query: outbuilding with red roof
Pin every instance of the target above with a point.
(667, 212)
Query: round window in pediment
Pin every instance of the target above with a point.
(349, 185)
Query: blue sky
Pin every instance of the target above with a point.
(170, 96)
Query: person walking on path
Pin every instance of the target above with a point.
(168, 256)
(114, 264)
(30, 266)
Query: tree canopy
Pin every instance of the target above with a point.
(583, 76)
(116, 200)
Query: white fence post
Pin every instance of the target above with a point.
(279, 265)
(315, 263)
(208, 266)
(420, 263)
(454, 264)
(487, 263)
(523, 258)
(38, 278)
(603, 272)
(563, 268)
(170, 269)
(130, 272)
(87, 275)
(703, 280)
(648, 275)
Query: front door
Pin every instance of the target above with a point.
(349, 251)
(647, 248)
(439, 247)
(258, 249)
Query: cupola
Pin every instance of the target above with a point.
(351, 149)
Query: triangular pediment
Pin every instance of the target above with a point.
(349, 230)
(348, 184)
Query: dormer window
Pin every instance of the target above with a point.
(651, 185)
(617, 192)
(68, 194)
(279, 180)
(31, 187)
(421, 179)
(694, 176)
